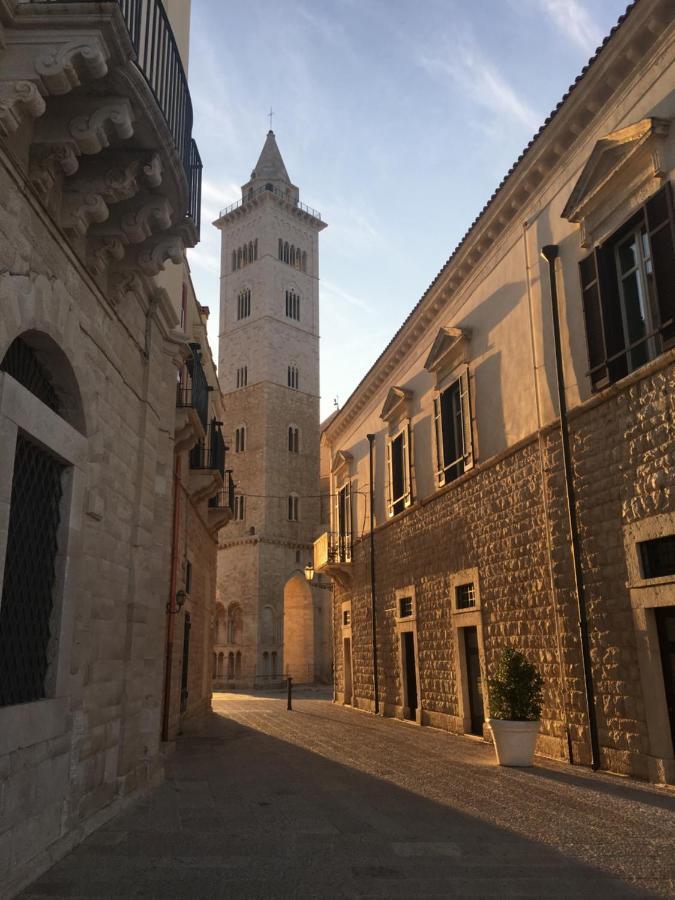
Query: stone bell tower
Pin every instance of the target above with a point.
(271, 622)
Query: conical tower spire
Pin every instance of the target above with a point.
(270, 173)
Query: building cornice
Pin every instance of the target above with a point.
(643, 25)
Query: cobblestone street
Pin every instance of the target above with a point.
(329, 802)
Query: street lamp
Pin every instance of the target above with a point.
(309, 571)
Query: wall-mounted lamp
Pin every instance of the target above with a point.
(181, 597)
(309, 571)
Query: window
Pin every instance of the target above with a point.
(234, 260)
(281, 250)
(398, 465)
(293, 508)
(343, 523)
(293, 377)
(242, 376)
(240, 439)
(627, 293)
(188, 576)
(452, 419)
(346, 617)
(405, 607)
(239, 508)
(293, 439)
(465, 596)
(658, 557)
(292, 305)
(244, 303)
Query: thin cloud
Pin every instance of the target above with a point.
(574, 21)
(333, 291)
(464, 65)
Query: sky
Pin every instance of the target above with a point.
(397, 119)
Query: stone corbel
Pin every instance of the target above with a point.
(81, 211)
(126, 284)
(18, 100)
(112, 120)
(153, 170)
(68, 65)
(49, 162)
(152, 258)
(155, 215)
(108, 250)
(113, 183)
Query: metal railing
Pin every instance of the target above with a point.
(277, 193)
(192, 390)
(210, 454)
(158, 59)
(332, 547)
(224, 499)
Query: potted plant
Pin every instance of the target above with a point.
(515, 707)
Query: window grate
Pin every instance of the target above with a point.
(465, 596)
(405, 607)
(658, 557)
(27, 590)
(22, 364)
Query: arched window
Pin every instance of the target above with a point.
(242, 376)
(239, 258)
(234, 260)
(240, 439)
(292, 255)
(286, 252)
(220, 666)
(292, 305)
(243, 303)
(269, 186)
(244, 255)
(235, 624)
(237, 665)
(230, 666)
(250, 251)
(293, 377)
(239, 508)
(293, 439)
(292, 507)
(274, 663)
(281, 249)
(255, 248)
(304, 261)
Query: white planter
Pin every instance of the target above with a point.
(514, 741)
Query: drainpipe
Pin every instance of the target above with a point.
(550, 254)
(171, 609)
(371, 444)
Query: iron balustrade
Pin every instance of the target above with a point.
(211, 454)
(192, 390)
(277, 193)
(224, 499)
(158, 59)
(339, 547)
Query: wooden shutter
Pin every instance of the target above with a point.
(595, 332)
(407, 492)
(390, 480)
(438, 438)
(348, 521)
(467, 427)
(661, 227)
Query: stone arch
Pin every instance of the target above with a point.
(230, 666)
(235, 624)
(221, 625)
(298, 629)
(267, 623)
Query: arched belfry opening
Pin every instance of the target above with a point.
(299, 649)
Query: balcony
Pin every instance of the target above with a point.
(95, 108)
(207, 464)
(192, 402)
(220, 508)
(333, 556)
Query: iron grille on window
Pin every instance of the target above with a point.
(28, 584)
(465, 596)
(210, 455)
(22, 364)
(405, 606)
(658, 557)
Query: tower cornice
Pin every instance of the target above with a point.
(258, 198)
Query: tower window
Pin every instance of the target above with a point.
(244, 303)
(293, 377)
(281, 249)
(239, 508)
(240, 439)
(293, 439)
(242, 376)
(292, 305)
(293, 508)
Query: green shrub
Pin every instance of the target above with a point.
(515, 691)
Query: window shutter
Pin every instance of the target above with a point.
(438, 436)
(407, 492)
(390, 480)
(467, 428)
(348, 521)
(661, 226)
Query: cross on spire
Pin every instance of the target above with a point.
(270, 114)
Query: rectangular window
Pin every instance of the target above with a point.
(454, 440)
(292, 508)
(346, 617)
(405, 607)
(239, 508)
(465, 596)
(627, 293)
(344, 523)
(398, 464)
(658, 557)
(188, 576)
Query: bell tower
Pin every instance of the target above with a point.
(269, 373)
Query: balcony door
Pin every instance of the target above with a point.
(344, 522)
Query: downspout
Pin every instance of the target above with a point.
(371, 443)
(171, 609)
(550, 254)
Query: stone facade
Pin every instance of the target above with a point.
(271, 622)
(472, 540)
(97, 322)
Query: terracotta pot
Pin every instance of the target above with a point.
(514, 741)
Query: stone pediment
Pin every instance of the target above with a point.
(449, 350)
(623, 164)
(342, 458)
(397, 401)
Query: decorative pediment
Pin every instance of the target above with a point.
(342, 458)
(623, 164)
(449, 350)
(396, 403)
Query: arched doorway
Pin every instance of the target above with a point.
(298, 629)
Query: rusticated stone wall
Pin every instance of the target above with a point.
(508, 519)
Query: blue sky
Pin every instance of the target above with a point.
(396, 118)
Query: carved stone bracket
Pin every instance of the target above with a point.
(49, 162)
(151, 259)
(153, 170)
(112, 120)
(81, 211)
(125, 284)
(155, 215)
(107, 251)
(67, 66)
(18, 100)
(113, 182)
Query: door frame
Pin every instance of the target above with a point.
(403, 625)
(467, 618)
(346, 607)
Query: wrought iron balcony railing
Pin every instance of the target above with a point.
(158, 59)
(277, 193)
(210, 454)
(332, 548)
(192, 390)
(224, 499)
